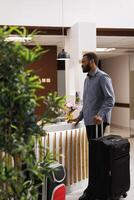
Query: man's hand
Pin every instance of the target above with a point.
(98, 119)
(76, 121)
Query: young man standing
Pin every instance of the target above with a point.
(98, 101)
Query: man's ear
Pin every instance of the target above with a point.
(92, 61)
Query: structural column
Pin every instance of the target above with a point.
(80, 38)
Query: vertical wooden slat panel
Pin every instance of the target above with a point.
(54, 146)
(70, 156)
(75, 156)
(9, 160)
(60, 148)
(85, 150)
(83, 155)
(73, 147)
(80, 153)
(40, 143)
(48, 141)
(36, 150)
(86, 156)
(84, 134)
(79, 157)
(66, 157)
(44, 145)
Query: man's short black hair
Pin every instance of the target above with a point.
(91, 56)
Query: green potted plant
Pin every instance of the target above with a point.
(21, 173)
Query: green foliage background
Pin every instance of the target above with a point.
(21, 174)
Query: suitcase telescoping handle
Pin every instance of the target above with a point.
(97, 130)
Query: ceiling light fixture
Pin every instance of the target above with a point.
(105, 49)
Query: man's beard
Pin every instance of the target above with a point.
(86, 68)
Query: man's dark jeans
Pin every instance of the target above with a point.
(91, 134)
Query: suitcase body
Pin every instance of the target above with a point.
(54, 187)
(111, 166)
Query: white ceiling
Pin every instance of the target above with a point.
(115, 41)
(123, 45)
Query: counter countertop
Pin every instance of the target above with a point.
(62, 126)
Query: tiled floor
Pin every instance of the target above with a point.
(75, 195)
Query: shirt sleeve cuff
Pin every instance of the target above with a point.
(101, 114)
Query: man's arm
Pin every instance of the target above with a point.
(109, 97)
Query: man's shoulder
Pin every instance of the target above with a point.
(102, 74)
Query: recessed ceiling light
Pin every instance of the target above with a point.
(105, 49)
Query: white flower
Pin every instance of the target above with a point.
(70, 104)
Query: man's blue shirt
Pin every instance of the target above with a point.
(98, 97)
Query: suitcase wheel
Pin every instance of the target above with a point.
(124, 195)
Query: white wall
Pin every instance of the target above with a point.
(131, 63)
(118, 69)
(120, 117)
(104, 13)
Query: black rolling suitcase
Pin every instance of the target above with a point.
(111, 166)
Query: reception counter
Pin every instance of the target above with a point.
(69, 146)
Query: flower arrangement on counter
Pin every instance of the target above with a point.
(70, 107)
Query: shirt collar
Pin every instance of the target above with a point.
(93, 73)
